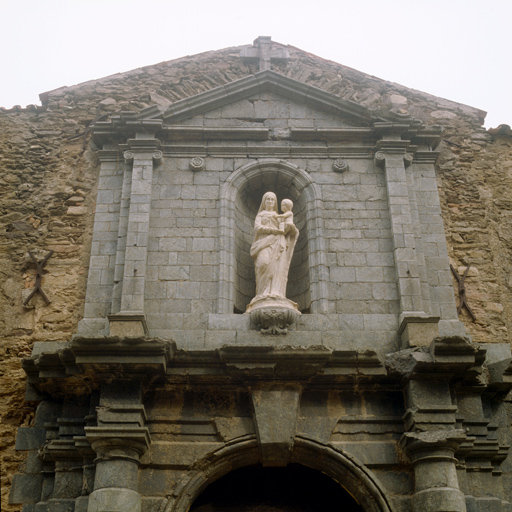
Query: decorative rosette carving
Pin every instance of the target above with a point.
(197, 164)
(340, 165)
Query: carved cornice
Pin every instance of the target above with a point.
(426, 157)
(123, 126)
(108, 155)
(412, 130)
(142, 145)
(447, 358)
(88, 361)
(85, 362)
(143, 357)
(250, 151)
(392, 147)
(367, 126)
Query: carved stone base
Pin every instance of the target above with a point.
(273, 315)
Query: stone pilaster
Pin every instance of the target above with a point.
(417, 327)
(131, 257)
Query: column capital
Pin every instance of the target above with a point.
(119, 442)
(432, 446)
(142, 148)
(392, 146)
(436, 486)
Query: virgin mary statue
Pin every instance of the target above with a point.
(272, 251)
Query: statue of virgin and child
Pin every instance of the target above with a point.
(272, 250)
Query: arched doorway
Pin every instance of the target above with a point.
(294, 488)
(352, 478)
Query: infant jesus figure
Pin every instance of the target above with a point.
(286, 218)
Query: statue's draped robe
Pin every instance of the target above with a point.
(272, 254)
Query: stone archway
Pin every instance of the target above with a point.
(353, 476)
(240, 197)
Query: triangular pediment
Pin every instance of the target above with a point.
(183, 118)
(267, 82)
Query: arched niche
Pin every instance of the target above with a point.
(352, 476)
(240, 199)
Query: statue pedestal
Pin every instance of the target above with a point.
(273, 315)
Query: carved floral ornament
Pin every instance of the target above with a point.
(197, 164)
(340, 165)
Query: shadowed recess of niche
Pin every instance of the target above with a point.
(294, 488)
(246, 207)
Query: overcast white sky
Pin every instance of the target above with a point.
(456, 49)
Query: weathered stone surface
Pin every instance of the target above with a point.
(49, 178)
(275, 416)
(114, 500)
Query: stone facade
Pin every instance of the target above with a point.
(147, 383)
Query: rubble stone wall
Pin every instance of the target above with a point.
(48, 175)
